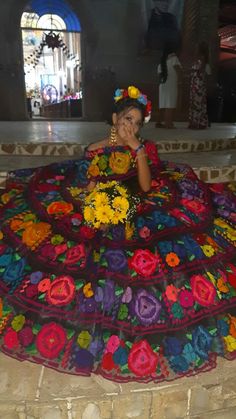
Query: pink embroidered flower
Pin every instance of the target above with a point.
(186, 299)
(87, 232)
(172, 293)
(112, 344)
(144, 232)
(76, 254)
(11, 339)
(51, 340)
(144, 262)
(203, 290)
(60, 248)
(142, 360)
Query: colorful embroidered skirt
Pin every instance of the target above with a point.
(151, 299)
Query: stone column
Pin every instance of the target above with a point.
(12, 83)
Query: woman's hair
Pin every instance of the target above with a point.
(168, 49)
(126, 103)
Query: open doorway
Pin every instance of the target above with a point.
(52, 61)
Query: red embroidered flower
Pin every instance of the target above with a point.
(193, 205)
(231, 276)
(11, 339)
(87, 232)
(76, 254)
(203, 290)
(186, 299)
(26, 336)
(200, 238)
(31, 291)
(151, 150)
(108, 363)
(61, 291)
(51, 340)
(142, 360)
(143, 262)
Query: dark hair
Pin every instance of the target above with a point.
(168, 49)
(127, 102)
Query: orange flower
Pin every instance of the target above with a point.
(35, 234)
(87, 290)
(232, 327)
(93, 170)
(221, 285)
(119, 163)
(172, 259)
(59, 208)
(44, 285)
(16, 224)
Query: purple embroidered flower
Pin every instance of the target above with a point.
(147, 308)
(84, 359)
(201, 340)
(26, 336)
(48, 251)
(96, 347)
(87, 305)
(118, 232)
(35, 277)
(116, 260)
(127, 296)
(173, 346)
(98, 294)
(108, 295)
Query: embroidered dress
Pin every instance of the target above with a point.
(148, 299)
(198, 118)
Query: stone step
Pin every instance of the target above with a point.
(72, 148)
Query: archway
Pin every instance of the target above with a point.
(52, 59)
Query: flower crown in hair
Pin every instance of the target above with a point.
(134, 93)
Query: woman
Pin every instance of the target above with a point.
(169, 71)
(118, 264)
(198, 118)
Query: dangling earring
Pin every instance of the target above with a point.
(113, 139)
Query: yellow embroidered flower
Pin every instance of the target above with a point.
(103, 214)
(5, 198)
(1, 235)
(133, 92)
(230, 342)
(87, 290)
(101, 199)
(129, 230)
(89, 214)
(84, 339)
(96, 256)
(18, 322)
(208, 250)
(222, 286)
(35, 234)
(119, 162)
(231, 234)
(93, 170)
(75, 191)
(220, 223)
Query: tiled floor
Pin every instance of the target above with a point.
(86, 132)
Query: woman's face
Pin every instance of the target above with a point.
(130, 118)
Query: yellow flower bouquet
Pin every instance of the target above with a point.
(108, 204)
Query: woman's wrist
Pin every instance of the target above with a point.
(139, 148)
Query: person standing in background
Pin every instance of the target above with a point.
(200, 72)
(169, 70)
